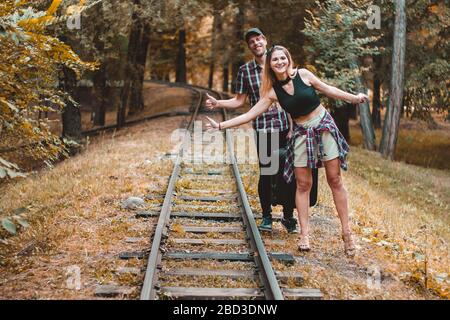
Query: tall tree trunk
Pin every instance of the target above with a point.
(376, 102)
(239, 51)
(224, 49)
(181, 57)
(211, 75)
(136, 97)
(122, 110)
(99, 78)
(367, 126)
(297, 34)
(226, 78)
(342, 117)
(71, 116)
(215, 29)
(100, 93)
(135, 36)
(365, 116)
(392, 120)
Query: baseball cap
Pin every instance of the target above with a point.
(253, 31)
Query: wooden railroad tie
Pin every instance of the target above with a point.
(220, 256)
(193, 293)
(202, 215)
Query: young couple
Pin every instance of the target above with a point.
(302, 124)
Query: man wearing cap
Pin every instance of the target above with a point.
(270, 126)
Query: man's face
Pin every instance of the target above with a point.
(257, 45)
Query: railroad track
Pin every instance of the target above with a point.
(206, 244)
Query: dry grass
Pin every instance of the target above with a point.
(417, 144)
(404, 210)
(75, 215)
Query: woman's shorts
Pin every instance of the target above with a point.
(330, 146)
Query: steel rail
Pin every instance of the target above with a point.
(148, 291)
(271, 288)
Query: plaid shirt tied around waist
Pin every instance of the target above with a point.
(313, 141)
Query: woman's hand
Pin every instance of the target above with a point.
(360, 98)
(212, 125)
(211, 102)
(289, 135)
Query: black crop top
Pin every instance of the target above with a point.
(304, 101)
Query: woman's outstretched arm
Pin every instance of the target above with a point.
(258, 109)
(331, 91)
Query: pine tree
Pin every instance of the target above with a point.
(336, 33)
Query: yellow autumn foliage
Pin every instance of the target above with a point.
(30, 73)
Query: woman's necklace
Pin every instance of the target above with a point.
(285, 81)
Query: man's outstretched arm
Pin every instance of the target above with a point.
(236, 102)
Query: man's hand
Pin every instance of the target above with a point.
(360, 98)
(212, 125)
(211, 102)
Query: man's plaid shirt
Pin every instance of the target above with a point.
(249, 82)
(313, 141)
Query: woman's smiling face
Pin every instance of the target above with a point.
(279, 62)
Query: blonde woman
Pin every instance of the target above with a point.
(316, 140)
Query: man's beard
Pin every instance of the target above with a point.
(260, 55)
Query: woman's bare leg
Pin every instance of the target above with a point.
(340, 196)
(303, 179)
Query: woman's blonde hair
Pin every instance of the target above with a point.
(268, 77)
